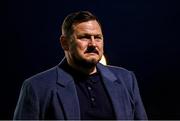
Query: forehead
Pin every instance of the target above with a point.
(88, 27)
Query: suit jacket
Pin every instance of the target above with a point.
(52, 95)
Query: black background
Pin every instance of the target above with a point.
(140, 35)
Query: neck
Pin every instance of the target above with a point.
(82, 69)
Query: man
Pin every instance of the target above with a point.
(80, 87)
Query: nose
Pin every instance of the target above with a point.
(92, 41)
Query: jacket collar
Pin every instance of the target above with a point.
(106, 73)
(64, 78)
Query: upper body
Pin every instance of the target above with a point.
(56, 93)
(52, 95)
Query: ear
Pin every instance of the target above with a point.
(64, 42)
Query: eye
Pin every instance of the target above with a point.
(99, 38)
(84, 38)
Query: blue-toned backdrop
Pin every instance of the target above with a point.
(140, 35)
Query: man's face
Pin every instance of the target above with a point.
(86, 45)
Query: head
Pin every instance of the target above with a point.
(82, 39)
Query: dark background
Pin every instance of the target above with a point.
(140, 35)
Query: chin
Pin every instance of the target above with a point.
(93, 60)
(88, 63)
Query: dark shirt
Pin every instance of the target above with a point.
(94, 100)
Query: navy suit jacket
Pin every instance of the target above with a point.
(52, 95)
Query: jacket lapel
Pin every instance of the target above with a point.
(68, 95)
(115, 91)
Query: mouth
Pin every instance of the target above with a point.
(92, 54)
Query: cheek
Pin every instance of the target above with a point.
(81, 46)
(78, 48)
(100, 46)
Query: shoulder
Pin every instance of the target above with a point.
(120, 71)
(124, 76)
(117, 68)
(39, 87)
(45, 78)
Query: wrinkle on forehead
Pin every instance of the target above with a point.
(89, 27)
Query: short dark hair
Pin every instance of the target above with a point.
(74, 18)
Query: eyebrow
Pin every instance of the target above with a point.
(86, 34)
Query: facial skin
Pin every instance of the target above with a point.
(85, 48)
